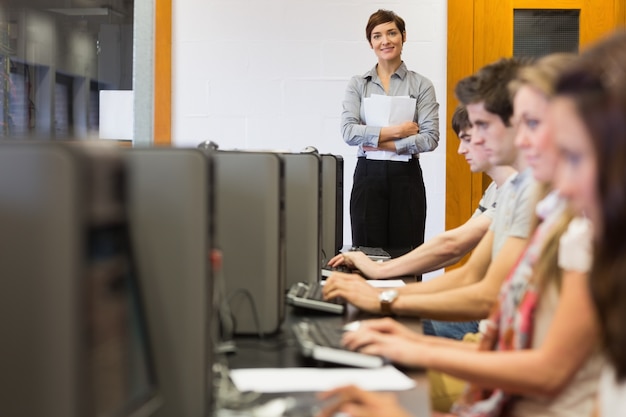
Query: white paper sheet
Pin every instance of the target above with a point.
(116, 114)
(382, 283)
(388, 110)
(386, 283)
(276, 380)
(384, 111)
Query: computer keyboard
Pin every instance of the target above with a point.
(328, 271)
(312, 291)
(375, 254)
(309, 295)
(322, 341)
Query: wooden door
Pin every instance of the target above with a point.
(480, 32)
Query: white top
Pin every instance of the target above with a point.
(578, 397)
(612, 394)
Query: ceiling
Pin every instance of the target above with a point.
(117, 11)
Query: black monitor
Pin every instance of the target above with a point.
(250, 230)
(332, 205)
(75, 339)
(303, 217)
(170, 196)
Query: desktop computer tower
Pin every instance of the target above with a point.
(171, 213)
(74, 338)
(250, 232)
(303, 217)
(332, 205)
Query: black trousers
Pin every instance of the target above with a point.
(388, 205)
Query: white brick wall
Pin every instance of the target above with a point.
(271, 74)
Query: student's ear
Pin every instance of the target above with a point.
(404, 36)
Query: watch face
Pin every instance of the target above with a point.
(388, 295)
(386, 298)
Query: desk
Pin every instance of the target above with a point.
(281, 350)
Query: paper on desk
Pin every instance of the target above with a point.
(274, 380)
(382, 283)
(384, 111)
(386, 283)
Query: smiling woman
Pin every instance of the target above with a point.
(388, 200)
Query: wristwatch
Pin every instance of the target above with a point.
(387, 298)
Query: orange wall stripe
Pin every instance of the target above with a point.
(459, 180)
(163, 73)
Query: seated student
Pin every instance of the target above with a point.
(589, 117)
(469, 292)
(450, 246)
(533, 358)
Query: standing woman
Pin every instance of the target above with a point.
(388, 200)
(589, 114)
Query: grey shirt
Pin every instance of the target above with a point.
(487, 203)
(514, 210)
(403, 83)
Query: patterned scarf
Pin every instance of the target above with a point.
(510, 325)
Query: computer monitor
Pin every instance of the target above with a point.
(250, 231)
(74, 338)
(170, 206)
(303, 217)
(332, 205)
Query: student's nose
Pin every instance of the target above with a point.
(477, 138)
(521, 138)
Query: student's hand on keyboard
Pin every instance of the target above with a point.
(353, 401)
(351, 260)
(354, 289)
(398, 348)
(357, 261)
(390, 327)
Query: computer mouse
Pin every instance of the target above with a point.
(208, 145)
(310, 149)
(352, 326)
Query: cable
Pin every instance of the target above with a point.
(225, 318)
(255, 313)
(324, 260)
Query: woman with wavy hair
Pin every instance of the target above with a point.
(589, 112)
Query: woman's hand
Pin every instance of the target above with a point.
(391, 327)
(401, 131)
(399, 349)
(407, 129)
(359, 403)
(353, 259)
(354, 289)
